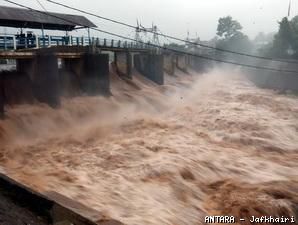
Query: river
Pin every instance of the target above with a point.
(211, 144)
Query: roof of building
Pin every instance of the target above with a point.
(25, 18)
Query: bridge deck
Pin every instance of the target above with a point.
(16, 47)
(65, 52)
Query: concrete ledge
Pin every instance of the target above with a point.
(182, 63)
(52, 207)
(169, 64)
(123, 62)
(151, 66)
(94, 76)
(46, 85)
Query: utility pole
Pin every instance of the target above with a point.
(289, 9)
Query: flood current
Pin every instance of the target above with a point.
(201, 145)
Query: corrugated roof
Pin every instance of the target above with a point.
(24, 18)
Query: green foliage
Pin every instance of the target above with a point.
(285, 42)
(228, 27)
(231, 36)
(175, 46)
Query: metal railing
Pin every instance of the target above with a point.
(14, 42)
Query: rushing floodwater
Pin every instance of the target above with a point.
(201, 145)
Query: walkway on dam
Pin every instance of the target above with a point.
(30, 41)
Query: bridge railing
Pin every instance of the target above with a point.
(6, 42)
(14, 42)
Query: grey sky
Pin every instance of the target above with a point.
(176, 17)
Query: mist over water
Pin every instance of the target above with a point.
(211, 144)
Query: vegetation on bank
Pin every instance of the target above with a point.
(229, 36)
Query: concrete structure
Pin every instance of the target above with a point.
(43, 72)
(46, 79)
(91, 71)
(83, 70)
(124, 64)
(17, 88)
(25, 18)
(198, 64)
(277, 80)
(169, 64)
(151, 66)
(95, 74)
(182, 62)
(49, 207)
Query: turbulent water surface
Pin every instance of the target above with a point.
(211, 144)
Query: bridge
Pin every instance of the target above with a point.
(44, 62)
(17, 42)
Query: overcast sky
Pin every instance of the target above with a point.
(176, 17)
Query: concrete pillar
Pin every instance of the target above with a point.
(95, 75)
(45, 81)
(91, 72)
(74, 65)
(151, 66)
(123, 61)
(37, 41)
(169, 64)
(198, 64)
(70, 77)
(26, 66)
(1, 97)
(14, 43)
(181, 62)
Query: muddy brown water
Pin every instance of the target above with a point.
(211, 144)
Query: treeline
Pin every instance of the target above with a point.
(284, 44)
(229, 36)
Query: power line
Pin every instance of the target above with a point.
(172, 37)
(41, 5)
(158, 46)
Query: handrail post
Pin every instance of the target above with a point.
(26, 44)
(5, 47)
(14, 43)
(37, 41)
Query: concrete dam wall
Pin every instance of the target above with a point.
(283, 81)
(47, 76)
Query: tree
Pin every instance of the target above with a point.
(294, 26)
(284, 41)
(178, 47)
(231, 36)
(228, 27)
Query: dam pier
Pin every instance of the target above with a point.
(46, 73)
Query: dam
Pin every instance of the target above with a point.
(46, 69)
(99, 131)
